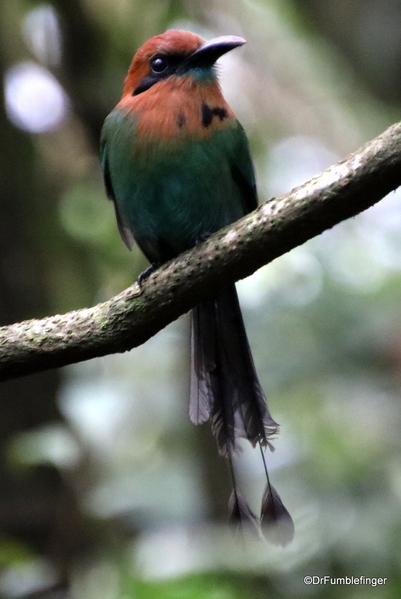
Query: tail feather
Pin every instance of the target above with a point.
(211, 393)
(224, 382)
(256, 423)
(202, 344)
(241, 517)
(225, 389)
(276, 522)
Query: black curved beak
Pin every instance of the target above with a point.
(209, 52)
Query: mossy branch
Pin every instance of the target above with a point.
(277, 226)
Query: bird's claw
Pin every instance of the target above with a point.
(147, 272)
(203, 237)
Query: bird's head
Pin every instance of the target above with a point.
(176, 53)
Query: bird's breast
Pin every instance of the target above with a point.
(177, 109)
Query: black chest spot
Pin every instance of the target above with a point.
(181, 120)
(209, 113)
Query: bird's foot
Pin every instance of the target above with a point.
(203, 237)
(147, 272)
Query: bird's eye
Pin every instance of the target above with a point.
(158, 64)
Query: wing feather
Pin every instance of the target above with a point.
(243, 173)
(124, 229)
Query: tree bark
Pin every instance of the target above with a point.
(274, 228)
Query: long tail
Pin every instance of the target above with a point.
(224, 384)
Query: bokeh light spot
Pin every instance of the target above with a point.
(35, 101)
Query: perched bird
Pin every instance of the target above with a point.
(177, 166)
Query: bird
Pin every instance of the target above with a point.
(177, 166)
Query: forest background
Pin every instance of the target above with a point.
(106, 489)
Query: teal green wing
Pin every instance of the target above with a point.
(109, 134)
(242, 171)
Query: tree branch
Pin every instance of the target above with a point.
(277, 226)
